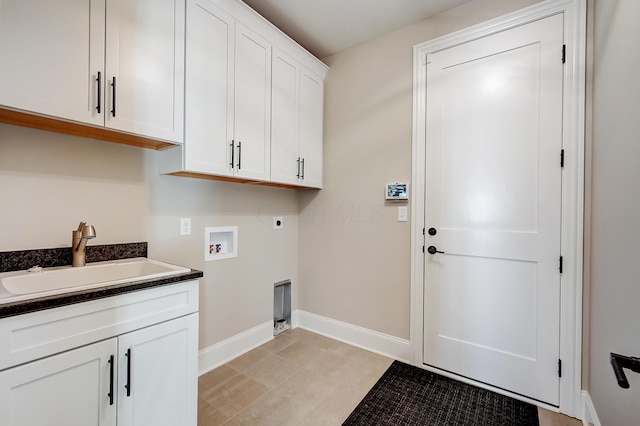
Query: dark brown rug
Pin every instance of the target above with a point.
(408, 395)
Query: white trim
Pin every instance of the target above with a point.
(589, 415)
(220, 353)
(573, 181)
(373, 341)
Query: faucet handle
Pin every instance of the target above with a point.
(81, 226)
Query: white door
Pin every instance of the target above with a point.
(252, 118)
(208, 89)
(71, 388)
(285, 121)
(145, 56)
(51, 54)
(158, 374)
(311, 109)
(493, 198)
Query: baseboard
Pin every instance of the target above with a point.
(589, 415)
(216, 355)
(373, 341)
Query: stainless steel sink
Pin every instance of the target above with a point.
(92, 275)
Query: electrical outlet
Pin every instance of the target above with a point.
(185, 226)
(278, 222)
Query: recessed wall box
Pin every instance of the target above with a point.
(220, 243)
(397, 191)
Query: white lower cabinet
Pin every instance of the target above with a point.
(66, 389)
(143, 372)
(158, 373)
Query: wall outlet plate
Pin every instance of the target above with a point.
(278, 222)
(185, 226)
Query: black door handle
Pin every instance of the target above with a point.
(433, 250)
(128, 385)
(113, 97)
(618, 362)
(99, 80)
(432, 231)
(111, 371)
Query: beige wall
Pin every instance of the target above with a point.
(50, 182)
(354, 255)
(615, 206)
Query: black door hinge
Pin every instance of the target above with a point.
(423, 249)
(564, 53)
(560, 268)
(559, 368)
(562, 158)
(422, 231)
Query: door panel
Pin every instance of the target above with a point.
(70, 388)
(159, 364)
(145, 53)
(252, 104)
(51, 53)
(493, 192)
(208, 97)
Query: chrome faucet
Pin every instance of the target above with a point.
(79, 241)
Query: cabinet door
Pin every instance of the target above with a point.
(252, 109)
(285, 162)
(71, 388)
(158, 375)
(50, 56)
(209, 90)
(311, 108)
(145, 56)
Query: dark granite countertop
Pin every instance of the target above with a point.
(34, 304)
(14, 261)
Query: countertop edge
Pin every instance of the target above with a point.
(10, 309)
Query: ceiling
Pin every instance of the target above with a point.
(325, 27)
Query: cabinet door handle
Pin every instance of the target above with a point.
(302, 169)
(128, 385)
(298, 175)
(99, 80)
(239, 155)
(113, 96)
(111, 371)
(233, 154)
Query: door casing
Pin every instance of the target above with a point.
(572, 187)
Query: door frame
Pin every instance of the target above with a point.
(572, 187)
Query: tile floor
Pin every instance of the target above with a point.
(299, 378)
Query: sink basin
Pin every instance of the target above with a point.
(92, 275)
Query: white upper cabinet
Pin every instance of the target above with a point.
(60, 59)
(227, 99)
(311, 125)
(209, 91)
(296, 138)
(243, 98)
(50, 55)
(252, 109)
(144, 56)
(285, 119)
